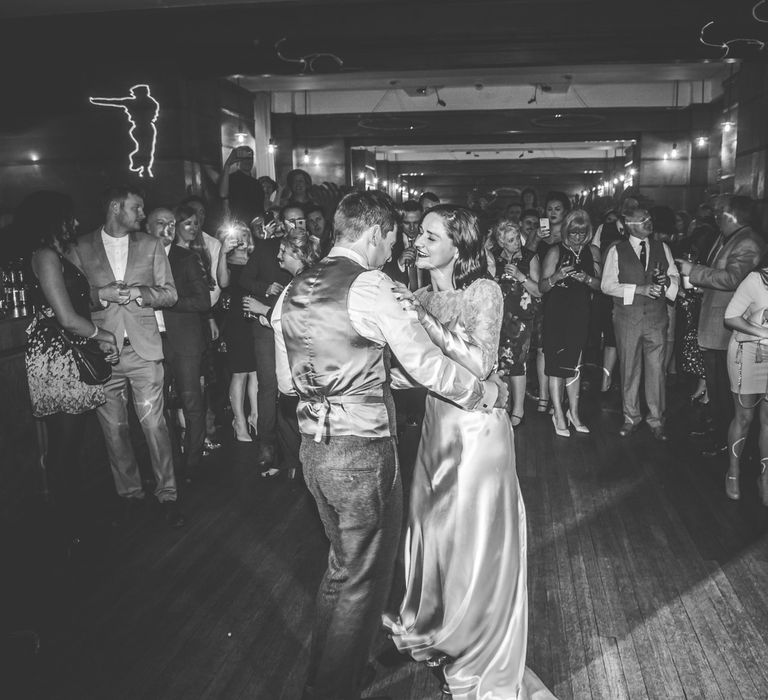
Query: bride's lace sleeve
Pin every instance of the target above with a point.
(480, 314)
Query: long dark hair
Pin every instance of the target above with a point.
(44, 219)
(462, 228)
(182, 213)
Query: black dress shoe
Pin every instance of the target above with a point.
(627, 429)
(129, 510)
(172, 513)
(659, 433)
(391, 657)
(265, 457)
(369, 675)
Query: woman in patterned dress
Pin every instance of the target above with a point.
(63, 302)
(517, 272)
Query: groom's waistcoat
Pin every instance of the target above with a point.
(341, 377)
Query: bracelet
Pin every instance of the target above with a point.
(95, 332)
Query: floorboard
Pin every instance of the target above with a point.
(644, 581)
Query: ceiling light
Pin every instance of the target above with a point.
(384, 184)
(306, 155)
(701, 142)
(632, 172)
(674, 151)
(362, 175)
(271, 148)
(727, 126)
(615, 181)
(241, 136)
(317, 161)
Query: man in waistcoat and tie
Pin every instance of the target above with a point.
(335, 327)
(640, 275)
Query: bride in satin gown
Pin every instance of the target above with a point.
(465, 552)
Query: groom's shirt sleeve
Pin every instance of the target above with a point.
(376, 315)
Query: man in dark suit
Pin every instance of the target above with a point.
(184, 340)
(129, 276)
(734, 254)
(409, 403)
(263, 278)
(402, 267)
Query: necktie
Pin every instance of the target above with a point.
(643, 255)
(413, 278)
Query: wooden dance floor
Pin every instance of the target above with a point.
(644, 582)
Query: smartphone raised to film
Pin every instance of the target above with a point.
(544, 229)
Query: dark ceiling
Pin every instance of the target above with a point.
(216, 39)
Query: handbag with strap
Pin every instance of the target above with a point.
(90, 359)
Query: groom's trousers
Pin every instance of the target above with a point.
(356, 484)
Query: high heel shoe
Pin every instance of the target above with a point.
(562, 432)
(252, 427)
(242, 435)
(542, 406)
(578, 427)
(732, 487)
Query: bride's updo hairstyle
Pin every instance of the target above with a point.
(462, 228)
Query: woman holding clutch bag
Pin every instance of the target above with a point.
(46, 222)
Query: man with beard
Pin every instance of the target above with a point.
(130, 276)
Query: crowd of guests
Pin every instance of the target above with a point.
(643, 292)
(660, 293)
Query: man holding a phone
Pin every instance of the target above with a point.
(241, 193)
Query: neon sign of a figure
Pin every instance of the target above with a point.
(142, 111)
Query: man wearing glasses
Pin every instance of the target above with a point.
(263, 278)
(641, 275)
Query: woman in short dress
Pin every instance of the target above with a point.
(570, 274)
(747, 316)
(236, 246)
(62, 298)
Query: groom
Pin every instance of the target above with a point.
(335, 327)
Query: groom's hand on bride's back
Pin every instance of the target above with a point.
(502, 396)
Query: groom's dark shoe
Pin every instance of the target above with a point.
(391, 657)
(369, 675)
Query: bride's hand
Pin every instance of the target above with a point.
(407, 299)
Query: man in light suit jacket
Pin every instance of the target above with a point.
(734, 254)
(129, 275)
